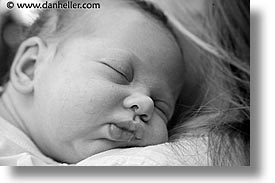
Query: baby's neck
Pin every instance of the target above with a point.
(9, 112)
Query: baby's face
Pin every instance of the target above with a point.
(115, 87)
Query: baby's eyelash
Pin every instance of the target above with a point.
(118, 71)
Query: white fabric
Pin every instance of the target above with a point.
(16, 149)
(138, 156)
(157, 155)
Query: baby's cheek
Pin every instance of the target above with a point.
(162, 132)
(156, 132)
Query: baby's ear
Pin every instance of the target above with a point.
(24, 65)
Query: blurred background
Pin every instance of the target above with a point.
(12, 23)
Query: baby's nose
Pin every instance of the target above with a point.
(142, 105)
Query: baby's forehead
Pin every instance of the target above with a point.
(127, 26)
(86, 21)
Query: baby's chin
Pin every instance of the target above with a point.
(80, 151)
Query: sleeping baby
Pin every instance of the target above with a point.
(88, 87)
(88, 81)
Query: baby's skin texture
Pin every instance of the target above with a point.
(113, 86)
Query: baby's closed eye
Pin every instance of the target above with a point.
(122, 70)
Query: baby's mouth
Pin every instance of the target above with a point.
(126, 131)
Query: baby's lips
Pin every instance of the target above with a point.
(119, 134)
(127, 130)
